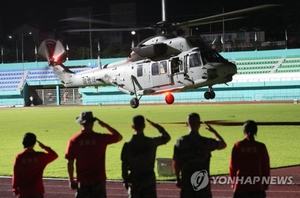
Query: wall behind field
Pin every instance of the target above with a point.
(251, 90)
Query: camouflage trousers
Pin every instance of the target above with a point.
(194, 194)
(91, 190)
(249, 194)
(187, 188)
(142, 185)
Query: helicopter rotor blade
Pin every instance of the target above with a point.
(221, 20)
(202, 122)
(229, 123)
(109, 29)
(165, 26)
(258, 123)
(223, 15)
(94, 21)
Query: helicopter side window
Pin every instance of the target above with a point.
(163, 67)
(154, 69)
(194, 60)
(139, 70)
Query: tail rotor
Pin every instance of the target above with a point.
(53, 51)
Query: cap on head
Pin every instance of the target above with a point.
(250, 127)
(29, 139)
(138, 122)
(85, 117)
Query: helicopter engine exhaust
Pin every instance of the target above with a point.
(151, 51)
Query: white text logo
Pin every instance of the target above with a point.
(271, 180)
(199, 180)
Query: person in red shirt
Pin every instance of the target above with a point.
(88, 149)
(27, 180)
(249, 165)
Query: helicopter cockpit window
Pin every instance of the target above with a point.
(194, 60)
(139, 70)
(211, 56)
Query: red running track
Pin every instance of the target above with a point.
(58, 188)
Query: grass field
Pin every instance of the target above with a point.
(55, 125)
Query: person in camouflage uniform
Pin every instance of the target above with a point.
(191, 159)
(138, 158)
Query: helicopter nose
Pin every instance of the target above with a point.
(222, 70)
(229, 70)
(212, 73)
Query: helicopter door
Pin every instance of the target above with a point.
(194, 66)
(143, 76)
(176, 66)
(160, 73)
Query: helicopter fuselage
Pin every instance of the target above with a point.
(190, 69)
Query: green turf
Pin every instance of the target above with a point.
(55, 125)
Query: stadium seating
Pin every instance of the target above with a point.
(16, 85)
(11, 80)
(268, 65)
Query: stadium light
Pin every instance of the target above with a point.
(17, 52)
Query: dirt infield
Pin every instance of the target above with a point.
(58, 188)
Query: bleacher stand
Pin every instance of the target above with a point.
(260, 75)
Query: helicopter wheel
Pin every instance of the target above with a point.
(212, 94)
(134, 103)
(169, 99)
(209, 95)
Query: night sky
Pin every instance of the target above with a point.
(46, 14)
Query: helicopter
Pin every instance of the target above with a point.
(161, 64)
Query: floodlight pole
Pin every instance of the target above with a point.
(91, 50)
(22, 49)
(223, 32)
(17, 49)
(286, 39)
(23, 79)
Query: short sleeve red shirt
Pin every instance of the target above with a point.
(249, 159)
(88, 150)
(28, 172)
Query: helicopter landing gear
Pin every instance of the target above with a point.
(169, 98)
(134, 103)
(210, 94)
